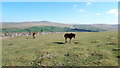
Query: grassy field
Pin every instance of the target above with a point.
(92, 49)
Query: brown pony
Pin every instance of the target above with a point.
(70, 36)
(34, 35)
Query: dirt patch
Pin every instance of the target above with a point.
(77, 42)
(96, 41)
(10, 44)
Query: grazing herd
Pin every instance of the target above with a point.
(34, 34)
(67, 35)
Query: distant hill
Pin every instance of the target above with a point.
(106, 26)
(31, 24)
(46, 29)
(46, 26)
(88, 27)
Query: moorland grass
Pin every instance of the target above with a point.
(50, 50)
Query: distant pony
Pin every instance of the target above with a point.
(70, 36)
(34, 35)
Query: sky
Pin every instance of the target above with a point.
(62, 12)
(59, 0)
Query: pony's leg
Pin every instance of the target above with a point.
(70, 40)
(33, 37)
(65, 40)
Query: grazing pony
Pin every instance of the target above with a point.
(70, 36)
(34, 35)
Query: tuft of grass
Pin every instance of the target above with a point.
(108, 62)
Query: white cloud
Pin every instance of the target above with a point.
(113, 11)
(98, 14)
(88, 3)
(81, 10)
(74, 5)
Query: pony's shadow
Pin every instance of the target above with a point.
(59, 42)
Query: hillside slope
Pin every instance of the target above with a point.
(49, 29)
(106, 26)
(23, 26)
(31, 24)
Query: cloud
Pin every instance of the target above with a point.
(74, 5)
(88, 3)
(98, 14)
(113, 11)
(81, 10)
